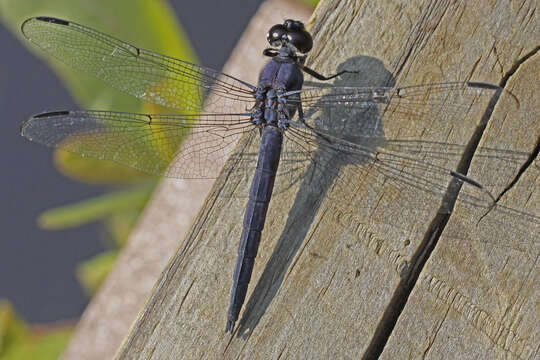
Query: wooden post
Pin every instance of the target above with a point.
(345, 279)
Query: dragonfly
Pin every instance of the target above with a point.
(325, 128)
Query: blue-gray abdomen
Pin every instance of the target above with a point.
(255, 215)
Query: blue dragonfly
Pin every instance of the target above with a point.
(324, 128)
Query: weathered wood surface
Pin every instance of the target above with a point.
(330, 276)
(165, 222)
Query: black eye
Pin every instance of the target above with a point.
(301, 40)
(275, 33)
(290, 31)
(293, 25)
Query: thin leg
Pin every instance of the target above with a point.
(322, 77)
(297, 107)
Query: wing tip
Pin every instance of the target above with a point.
(50, 114)
(497, 88)
(48, 19)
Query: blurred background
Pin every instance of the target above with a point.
(64, 220)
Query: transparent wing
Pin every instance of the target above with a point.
(145, 142)
(365, 111)
(371, 135)
(147, 75)
(343, 164)
(379, 127)
(352, 176)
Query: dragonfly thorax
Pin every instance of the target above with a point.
(274, 106)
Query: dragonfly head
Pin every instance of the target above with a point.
(291, 34)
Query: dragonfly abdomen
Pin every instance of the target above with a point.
(260, 193)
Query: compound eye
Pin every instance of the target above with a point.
(301, 40)
(275, 34)
(293, 25)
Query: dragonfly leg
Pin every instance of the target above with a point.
(260, 93)
(283, 111)
(283, 123)
(257, 114)
(318, 76)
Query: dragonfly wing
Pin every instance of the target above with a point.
(344, 164)
(357, 112)
(147, 75)
(344, 171)
(405, 120)
(350, 133)
(197, 145)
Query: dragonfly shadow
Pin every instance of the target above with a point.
(316, 182)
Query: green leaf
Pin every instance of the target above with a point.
(94, 209)
(20, 342)
(91, 273)
(95, 171)
(119, 226)
(49, 345)
(312, 3)
(12, 327)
